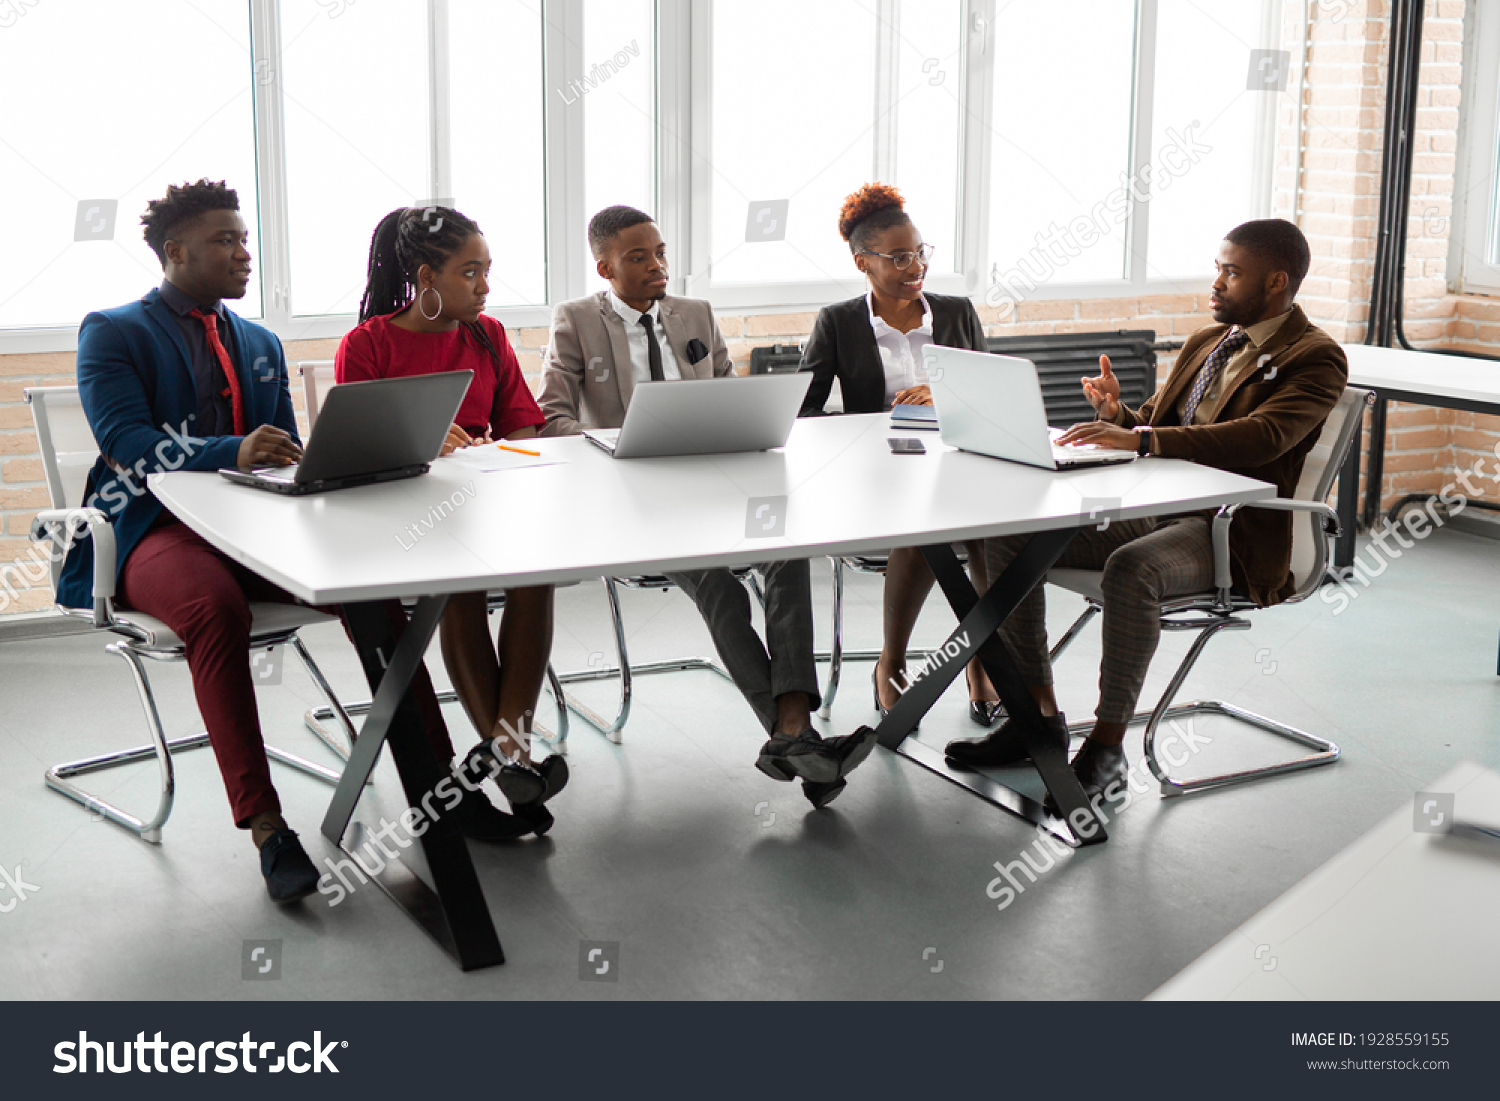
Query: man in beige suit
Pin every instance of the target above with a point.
(601, 348)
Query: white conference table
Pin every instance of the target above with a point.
(1400, 915)
(834, 489)
(1421, 378)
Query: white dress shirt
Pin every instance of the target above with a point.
(635, 337)
(901, 353)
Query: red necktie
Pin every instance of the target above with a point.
(211, 324)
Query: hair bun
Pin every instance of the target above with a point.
(868, 200)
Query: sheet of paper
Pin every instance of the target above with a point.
(490, 458)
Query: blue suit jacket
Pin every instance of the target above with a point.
(136, 384)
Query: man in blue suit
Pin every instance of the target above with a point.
(175, 381)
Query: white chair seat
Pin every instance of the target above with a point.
(266, 620)
(1083, 582)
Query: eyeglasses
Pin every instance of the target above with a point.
(903, 260)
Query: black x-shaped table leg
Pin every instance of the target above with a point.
(452, 911)
(979, 617)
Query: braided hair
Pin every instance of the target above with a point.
(870, 210)
(405, 239)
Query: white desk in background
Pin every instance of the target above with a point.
(1420, 378)
(1400, 915)
(834, 489)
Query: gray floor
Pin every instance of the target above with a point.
(667, 845)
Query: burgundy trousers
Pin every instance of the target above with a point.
(204, 596)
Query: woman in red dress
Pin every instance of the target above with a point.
(422, 312)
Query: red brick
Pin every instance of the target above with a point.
(784, 324)
(1047, 310)
(22, 470)
(35, 497)
(56, 367)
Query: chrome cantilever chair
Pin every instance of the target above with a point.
(68, 451)
(1209, 613)
(317, 376)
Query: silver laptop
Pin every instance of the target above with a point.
(379, 430)
(992, 405)
(708, 416)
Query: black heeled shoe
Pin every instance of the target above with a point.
(985, 713)
(875, 688)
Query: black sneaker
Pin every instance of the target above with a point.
(289, 872)
(1005, 747)
(805, 757)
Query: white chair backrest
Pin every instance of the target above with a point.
(317, 377)
(65, 440)
(1309, 544)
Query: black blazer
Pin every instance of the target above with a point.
(843, 346)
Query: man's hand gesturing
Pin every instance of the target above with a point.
(1103, 392)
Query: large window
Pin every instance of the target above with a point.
(96, 124)
(1071, 150)
(860, 92)
(1474, 260)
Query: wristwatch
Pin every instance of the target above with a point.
(1143, 442)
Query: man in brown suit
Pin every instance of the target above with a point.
(1248, 394)
(603, 347)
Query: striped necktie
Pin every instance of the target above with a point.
(1212, 368)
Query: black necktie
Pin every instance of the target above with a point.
(653, 349)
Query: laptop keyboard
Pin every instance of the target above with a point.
(277, 473)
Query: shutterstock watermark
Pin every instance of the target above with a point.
(410, 825)
(15, 883)
(1060, 245)
(1419, 523)
(1008, 885)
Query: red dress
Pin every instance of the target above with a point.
(498, 399)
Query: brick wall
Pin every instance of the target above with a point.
(1339, 180)
(1344, 105)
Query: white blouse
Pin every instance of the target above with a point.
(901, 353)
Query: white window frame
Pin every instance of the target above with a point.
(977, 81)
(683, 182)
(1475, 232)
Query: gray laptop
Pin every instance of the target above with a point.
(707, 416)
(993, 405)
(375, 431)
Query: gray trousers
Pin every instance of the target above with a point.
(784, 663)
(1144, 563)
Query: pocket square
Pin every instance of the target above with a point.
(696, 350)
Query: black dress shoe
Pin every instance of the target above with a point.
(805, 757)
(480, 820)
(1097, 768)
(538, 819)
(820, 795)
(985, 712)
(522, 783)
(1005, 747)
(851, 749)
(289, 873)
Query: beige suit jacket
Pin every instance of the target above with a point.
(586, 377)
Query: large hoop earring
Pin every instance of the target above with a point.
(420, 310)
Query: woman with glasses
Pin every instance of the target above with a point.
(873, 345)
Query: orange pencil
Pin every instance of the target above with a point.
(518, 450)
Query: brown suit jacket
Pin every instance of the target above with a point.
(586, 378)
(1265, 426)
